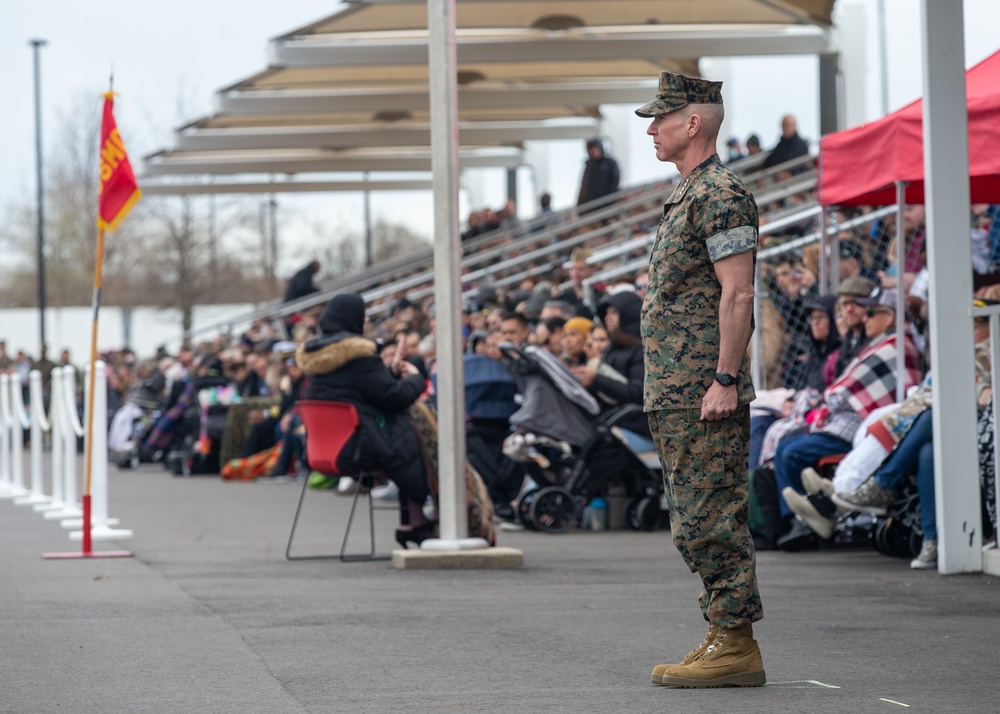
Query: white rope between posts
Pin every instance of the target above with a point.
(39, 425)
(69, 400)
(17, 397)
(17, 424)
(5, 410)
(37, 401)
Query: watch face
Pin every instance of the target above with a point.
(726, 380)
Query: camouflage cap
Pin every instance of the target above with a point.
(677, 91)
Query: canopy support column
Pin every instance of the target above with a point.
(829, 93)
(900, 290)
(946, 172)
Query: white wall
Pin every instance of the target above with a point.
(69, 328)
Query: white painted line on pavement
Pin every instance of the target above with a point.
(893, 701)
(806, 681)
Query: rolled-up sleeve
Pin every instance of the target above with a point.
(731, 242)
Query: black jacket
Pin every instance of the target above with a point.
(813, 373)
(787, 149)
(345, 367)
(624, 355)
(600, 178)
(301, 284)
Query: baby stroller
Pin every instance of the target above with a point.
(490, 396)
(198, 438)
(898, 534)
(569, 450)
(130, 425)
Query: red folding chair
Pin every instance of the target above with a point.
(329, 426)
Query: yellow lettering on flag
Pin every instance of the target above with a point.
(119, 190)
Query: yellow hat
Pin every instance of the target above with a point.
(579, 324)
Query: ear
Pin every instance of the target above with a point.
(693, 124)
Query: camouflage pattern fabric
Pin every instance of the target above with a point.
(707, 486)
(478, 500)
(238, 428)
(709, 216)
(676, 91)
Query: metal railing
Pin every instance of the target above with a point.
(537, 239)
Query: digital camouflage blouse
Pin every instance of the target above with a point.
(709, 216)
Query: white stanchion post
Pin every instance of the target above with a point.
(57, 502)
(6, 485)
(39, 426)
(71, 430)
(18, 423)
(100, 523)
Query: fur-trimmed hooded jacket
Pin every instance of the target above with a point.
(345, 367)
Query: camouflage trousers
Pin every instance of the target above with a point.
(707, 486)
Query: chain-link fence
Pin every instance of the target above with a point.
(799, 269)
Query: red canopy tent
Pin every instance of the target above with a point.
(860, 166)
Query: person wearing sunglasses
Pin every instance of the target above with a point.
(850, 292)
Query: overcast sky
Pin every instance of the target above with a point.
(169, 58)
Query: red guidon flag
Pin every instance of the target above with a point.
(119, 190)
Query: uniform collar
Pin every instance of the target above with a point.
(677, 195)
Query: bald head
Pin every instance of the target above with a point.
(788, 126)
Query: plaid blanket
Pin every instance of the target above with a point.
(869, 382)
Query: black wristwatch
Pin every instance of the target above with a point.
(725, 379)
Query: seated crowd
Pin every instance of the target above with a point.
(832, 400)
(827, 364)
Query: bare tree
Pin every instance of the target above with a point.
(71, 194)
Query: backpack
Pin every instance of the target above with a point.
(765, 519)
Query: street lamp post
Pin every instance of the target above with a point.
(36, 45)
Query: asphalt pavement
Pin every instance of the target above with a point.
(208, 616)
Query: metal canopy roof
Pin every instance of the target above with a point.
(563, 47)
(386, 15)
(484, 133)
(299, 161)
(359, 78)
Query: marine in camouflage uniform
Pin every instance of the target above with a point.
(688, 334)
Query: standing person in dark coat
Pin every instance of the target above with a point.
(790, 146)
(301, 284)
(600, 175)
(343, 366)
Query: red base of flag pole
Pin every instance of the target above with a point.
(87, 550)
(99, 554)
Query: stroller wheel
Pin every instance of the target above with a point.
(890, 537)
(524, 508)
(553, 510)
(898, 541)
(643, 514)
(877, 536)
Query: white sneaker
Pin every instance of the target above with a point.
(814, 483)
(388, 492)
(803, 507)
(927, 560)
(347, 485)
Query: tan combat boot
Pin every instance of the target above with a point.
(658, 670)
(732, 660)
